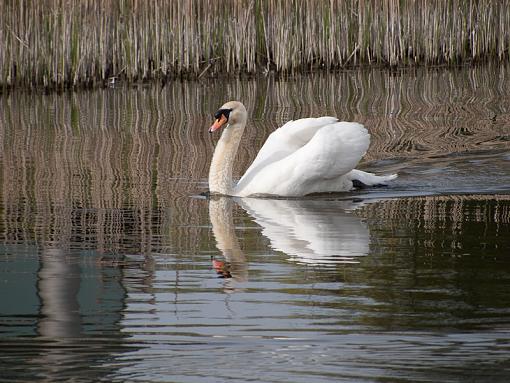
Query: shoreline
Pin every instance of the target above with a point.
(122, 81)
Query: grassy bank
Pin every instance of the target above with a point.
(62, 43)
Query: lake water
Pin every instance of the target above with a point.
(114, 266)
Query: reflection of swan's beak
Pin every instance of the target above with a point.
(221, 268)
(218, 123)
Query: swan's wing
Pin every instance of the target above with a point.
(333, 151)
(285, 141)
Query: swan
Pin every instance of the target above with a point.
(309, 155)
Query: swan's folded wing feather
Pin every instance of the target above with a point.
(333, 151)
(285, 141)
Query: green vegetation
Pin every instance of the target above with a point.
(64, 43)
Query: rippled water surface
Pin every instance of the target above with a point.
(114, 266)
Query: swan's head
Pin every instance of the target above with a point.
(232, 113)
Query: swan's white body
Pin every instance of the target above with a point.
(310, 155)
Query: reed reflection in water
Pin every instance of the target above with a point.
(146, 147)
(106, 247)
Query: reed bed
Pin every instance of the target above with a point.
(64, 43)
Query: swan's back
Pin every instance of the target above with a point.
(284, 141)
(306, 156)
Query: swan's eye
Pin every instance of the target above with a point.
(224, 112)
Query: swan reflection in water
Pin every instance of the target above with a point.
(313, 232)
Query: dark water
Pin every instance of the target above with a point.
(114, 268)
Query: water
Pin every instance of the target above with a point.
(114, 267)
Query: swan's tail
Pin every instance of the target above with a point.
(360, 178)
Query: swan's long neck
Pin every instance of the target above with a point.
(220, 172)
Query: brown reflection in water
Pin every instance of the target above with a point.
(435, 211)
(444, 222)
(115, 167)
(437, 261)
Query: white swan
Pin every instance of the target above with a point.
(310, 155)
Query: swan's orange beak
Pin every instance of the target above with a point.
(218, 123)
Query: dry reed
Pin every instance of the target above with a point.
(62, 43)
